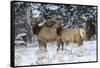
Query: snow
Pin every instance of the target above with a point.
(20, 35)
(52, 7)
(35, 6)
(36, 13)
(19, 42)
(19, 39)
(42, 23)
(93, 37)
(72, 53)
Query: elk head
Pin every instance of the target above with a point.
(35, 26)
(58, 22)
(34, 23)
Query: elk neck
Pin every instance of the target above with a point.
(36, 29)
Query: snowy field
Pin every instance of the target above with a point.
(72, 53)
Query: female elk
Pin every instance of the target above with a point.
(72, 35)
(44, 34)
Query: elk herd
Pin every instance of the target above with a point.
(46, 33)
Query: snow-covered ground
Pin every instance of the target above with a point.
(72, 53)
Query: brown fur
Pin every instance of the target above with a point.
(58, 31)
(49, 23)
(48, 34)
(72, 35)
(58, 26)
(45, 34)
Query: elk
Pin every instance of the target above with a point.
(45, 34)
(68, 35)
(49, 34)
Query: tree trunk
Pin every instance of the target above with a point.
(29, 30)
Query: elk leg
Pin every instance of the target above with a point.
(80, 43)
(58, 47)
(58, 44)
(40, 44)
(45, 45)
(62, 45)
(67, 42)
